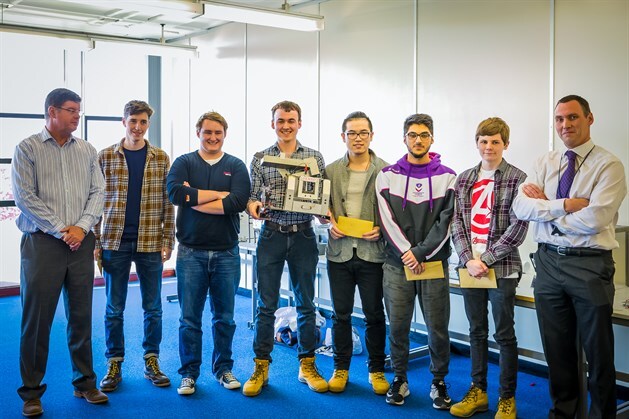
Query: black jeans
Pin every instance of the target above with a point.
(344, 277)
(502, 310)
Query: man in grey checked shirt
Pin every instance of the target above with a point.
(285, 236)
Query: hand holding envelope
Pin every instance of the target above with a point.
(354, 227)
(469, 281)
(432, 270)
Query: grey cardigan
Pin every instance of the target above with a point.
(341, 250)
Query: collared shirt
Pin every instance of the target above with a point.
(506, 232)
(268, 176)
(600, 178)
(157, 213)
(56, 186)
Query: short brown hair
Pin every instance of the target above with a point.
(135, 107)
(493, 126)
(286, 105)
(212, 116)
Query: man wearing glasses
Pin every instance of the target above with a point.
(416, 204)
(59, 189)
(353, 260)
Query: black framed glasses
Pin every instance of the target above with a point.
(424, 136)
(353, 134)
(72, 111)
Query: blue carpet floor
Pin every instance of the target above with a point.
(284, 397)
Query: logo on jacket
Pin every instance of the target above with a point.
(227, 173)
(419, 190)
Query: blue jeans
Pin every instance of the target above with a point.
(300, 251)
(502, 308)
(116, 269)
(344, 278)
(434, 302)
(197, 272)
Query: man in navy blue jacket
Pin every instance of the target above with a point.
(210, 188)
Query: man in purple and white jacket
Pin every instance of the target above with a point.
(416, 203)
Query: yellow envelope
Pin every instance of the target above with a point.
(434, 270)
(468, 281)
(354, 227)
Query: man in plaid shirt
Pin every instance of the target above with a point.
(138, 226)
(285, 236)
(486, 234)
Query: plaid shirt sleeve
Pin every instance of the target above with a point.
(156, 227)
(108, 230)
(168, 239)
(460, 228)
(256, 179)
(98, 226)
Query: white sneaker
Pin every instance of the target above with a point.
(228, 381)
(186, 387)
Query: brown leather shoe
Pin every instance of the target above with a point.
(93, 396)
(154, 373)
(32, 408)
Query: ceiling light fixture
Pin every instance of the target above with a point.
(262, 16)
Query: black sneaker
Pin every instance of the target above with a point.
(439, 395)
(229, 381)
(187, 386)
(113, 377)
(398, 391)
(153, 373)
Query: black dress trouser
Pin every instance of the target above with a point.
(48, 267)
(575, 294)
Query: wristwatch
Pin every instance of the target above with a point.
(84, 231)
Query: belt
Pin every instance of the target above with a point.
(573, 251)
(291, 228)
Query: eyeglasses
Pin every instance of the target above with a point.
(72, 111)
(424, 136)
(362, 134)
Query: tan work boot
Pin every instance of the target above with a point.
(378, 382)
(474, 401)
(338, 381)
(506, 409)
(309, 374)
(258, 379)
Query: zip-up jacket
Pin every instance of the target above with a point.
(416, 204)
